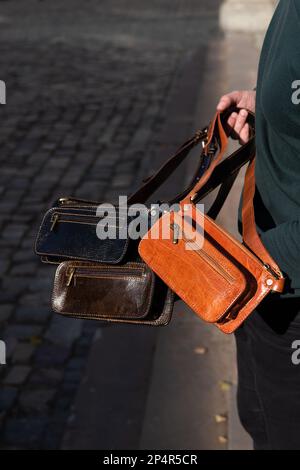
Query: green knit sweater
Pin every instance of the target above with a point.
(277, 200)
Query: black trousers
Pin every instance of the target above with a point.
(269, 374)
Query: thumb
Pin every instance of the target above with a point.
(228, 100)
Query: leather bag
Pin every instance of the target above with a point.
(220, 278)
(129, 293)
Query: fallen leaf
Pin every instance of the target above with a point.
(223, 439)
(200, 350)
(220, 418)
(35, 340)
(225, 385)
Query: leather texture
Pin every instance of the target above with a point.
(128, 293)
(70, 233)
(221, 279)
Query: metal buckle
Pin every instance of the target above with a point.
(201, 135)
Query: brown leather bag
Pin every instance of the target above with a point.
(127, 293)
(221, 279)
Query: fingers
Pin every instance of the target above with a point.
(224, 103)
(240, 121)
(240, 128)
(245, 134)
(228, 100)
(232, 120)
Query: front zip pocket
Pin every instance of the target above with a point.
(208, 258)
(76, 218)
(98, 272)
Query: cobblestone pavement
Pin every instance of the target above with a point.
(87, 83)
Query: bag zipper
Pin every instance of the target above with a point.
(277, 275)
(214, 264)
(65, 201)
(76, 219)
(102, 273)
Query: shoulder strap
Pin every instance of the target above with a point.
(250, 235)
(152, 183)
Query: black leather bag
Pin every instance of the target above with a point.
(68, 231)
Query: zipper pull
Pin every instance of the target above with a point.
(54, 221)
(63, 200)
(272, 271)
(70, 277)
(175, 229)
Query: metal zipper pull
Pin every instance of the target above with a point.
(70, 277)
(63, 200)
(175, 229)
(54, 221)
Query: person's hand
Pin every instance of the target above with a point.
(244, 99)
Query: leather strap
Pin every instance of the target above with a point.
(250, 235)
(224, 190)
(201, 175)
(153, 182)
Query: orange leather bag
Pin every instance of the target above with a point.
(220, 278)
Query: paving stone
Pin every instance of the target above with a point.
(15, 285)
(11, 344)
(4, 266)
(64, 331)
(72, 376)
(38, 298)
(7, 397)
(36, 401)
(55, 429)
(51, 355)
(46, 377)
(5, 312)
(32, 314)
(25, 432)
(14, 231)
(41, 284)
(22, 332)
(17, 375)
(122, 181)
(23, 255)
(76, 363)
(23, 353)
(24, 268)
